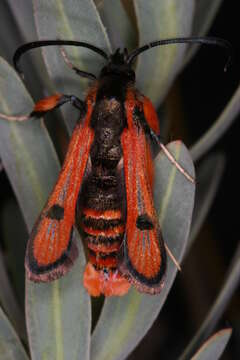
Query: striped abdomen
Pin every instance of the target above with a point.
(104, 231)
(104, 228)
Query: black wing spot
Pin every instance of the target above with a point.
(56, 212)
(144, 222)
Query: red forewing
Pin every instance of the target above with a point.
(51, 250)
(144, 259)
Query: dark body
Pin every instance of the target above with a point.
(102, 197)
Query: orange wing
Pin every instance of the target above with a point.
(144, 257)
(51, 250)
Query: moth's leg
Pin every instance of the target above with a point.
(47, 104)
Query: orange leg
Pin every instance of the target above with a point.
(47, 104)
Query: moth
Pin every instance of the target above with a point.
(106, 182)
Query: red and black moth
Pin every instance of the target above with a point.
(106, 182)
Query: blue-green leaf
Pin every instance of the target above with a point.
(119, 28)
(19, 21)
(26, 150)
(213, 348)
(23, 147)
(23, 15)
(157, 68)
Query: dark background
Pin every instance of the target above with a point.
(201, 91)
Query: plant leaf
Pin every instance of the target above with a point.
(10, 41)
(157, 68)
(23, 15)
(10, 345)
(125, 320)
(214, 346)
(209, 175)
(119, 28)
(71, 20)
(17, 18)
(218, 129)
(204, 14)
(58, 316)
(226, 292)
(23, 147)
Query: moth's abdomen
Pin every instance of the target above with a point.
(104, 231)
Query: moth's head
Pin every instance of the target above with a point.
(118, 66)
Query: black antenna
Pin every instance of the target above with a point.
(42, 43)
(195, 40)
